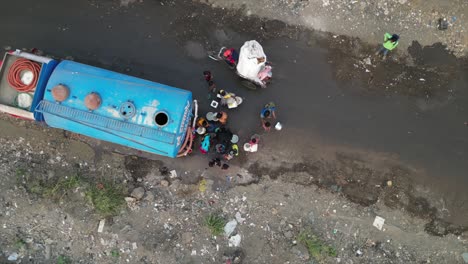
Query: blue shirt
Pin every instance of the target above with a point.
(268, 107)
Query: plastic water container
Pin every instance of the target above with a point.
(278, 126)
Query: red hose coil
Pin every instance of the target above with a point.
(14, 75)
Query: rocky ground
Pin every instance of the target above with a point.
(414, 20)
(316, 212)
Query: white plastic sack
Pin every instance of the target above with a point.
(234, 241)
(230, 227)
(248, 65)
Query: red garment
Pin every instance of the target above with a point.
(227, 54)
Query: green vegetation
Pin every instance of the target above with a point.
(106, 197)
(316, 247)
(115, 253)
(19, 244)
(61, 186)
(63, 260)
(215, 223)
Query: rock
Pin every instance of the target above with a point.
(187, 238)
(138, 193)
(300, 251)
(289, 234)
(149, 196)
(131, 203)
(50, 174)
(164, 183)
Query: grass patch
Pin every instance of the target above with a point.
(115, 253)
(61, 186)
(215, 223)
(107, 198)
(316, 246)
(19, 244)
(63, 260)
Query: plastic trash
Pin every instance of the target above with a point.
(278, 126)
(234, 241)
(14, 256)
(230, 227)
(234, 139)
(214, 104)
(239, 218)
(379, 222)
(465, 257)
(101, 225)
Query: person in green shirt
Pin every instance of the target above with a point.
(390, 42)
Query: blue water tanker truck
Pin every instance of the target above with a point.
(98, 103)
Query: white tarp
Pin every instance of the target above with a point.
(251, 60)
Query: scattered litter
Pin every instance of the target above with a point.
(389, 183)
(202, 185)
(422, 79)
(134, 245)
(379, 222)
(234, 241)
(230, 227)
(442, 24)
(194, 252)
(173, 174)
(101, 225)
(367, 61)
(358, 253)
(465, 257)
(239, 218)
(278, 126)
(13, 256)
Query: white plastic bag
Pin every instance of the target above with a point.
(252, 59)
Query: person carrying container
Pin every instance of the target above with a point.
(390, 42)
(268, 111)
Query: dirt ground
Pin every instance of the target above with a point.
(414, 20)
(334, 199)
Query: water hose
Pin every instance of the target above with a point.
(17, 69)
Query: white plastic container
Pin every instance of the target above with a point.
(278, 126)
